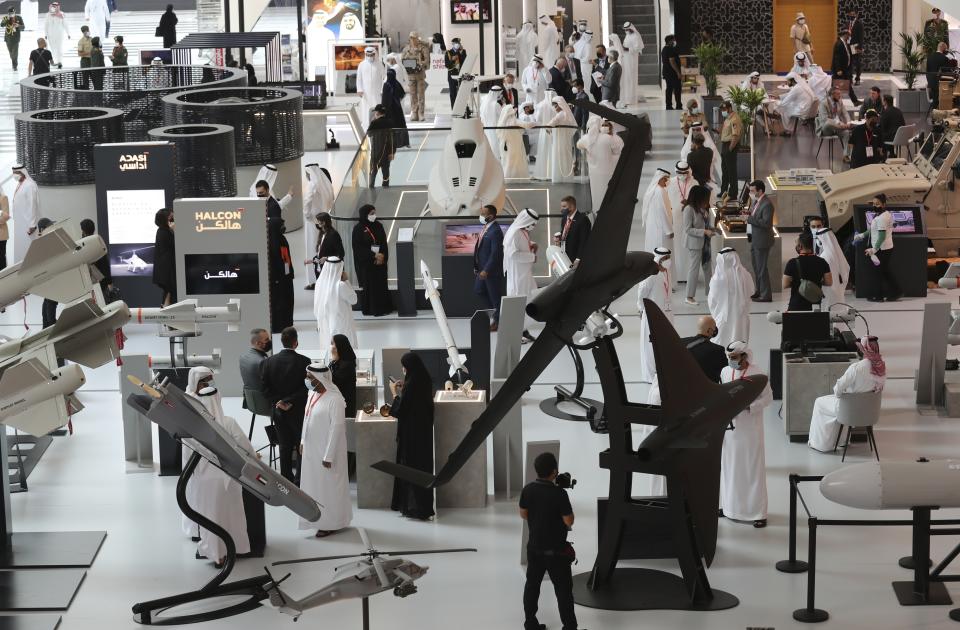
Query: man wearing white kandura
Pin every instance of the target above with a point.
(729, 298)
(655, 288)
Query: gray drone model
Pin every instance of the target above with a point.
(376, 572)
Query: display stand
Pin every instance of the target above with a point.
(171, 453)
(593, 409)
(406, 288)
(137, 430)
(30, 622)
(508, 434)
(376, 441)
(454, 414)
(933, 355)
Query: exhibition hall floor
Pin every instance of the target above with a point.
(81, 484)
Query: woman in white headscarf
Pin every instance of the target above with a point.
(729, 298)
(697, 128)
(510, 137)
(544, 112)
(603, 150)
(561, 149)
(333, 300)
(583, 50)
(526, 44)
(827, 247)
(490, 115)
(319, 198)
(655, 288)
(519, 255)
(210, 491)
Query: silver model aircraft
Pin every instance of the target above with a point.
(370, 575)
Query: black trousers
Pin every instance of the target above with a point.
(674, 87)
(454, 90)
(856, 65)
(560, 574)
(48, 311)
(490, 291)
(383, 167)
(3, 255)
(728, 171)
(887, 285)
(288, 435)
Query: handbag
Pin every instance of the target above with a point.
(157, 33)
(808, 289)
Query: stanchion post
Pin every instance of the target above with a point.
(811, 614)
(791, 564)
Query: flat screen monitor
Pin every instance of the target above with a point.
(222, 274)
(469, 12)
(130, 216)
(941, 154)
(164, 54)
(804, 328)
(927, 149)
(904, 221)
(460, 240)
(348, 56)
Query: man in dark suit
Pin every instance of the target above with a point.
(574, 230)
(274, 206)
(573, 71)
(610, 83)
(936, 61)
(841, 62)
(855, 28)
(760, 222)
(709, 356)
(700, 158)
(558, 83)
(511, 96)
(282, 377)
(866, 142)
(488, 263)
(891, 119)
(260, 346)
(600, 64)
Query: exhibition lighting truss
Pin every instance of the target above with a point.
(56, 145)
(205, 162)
(267, 122)
(135, 90)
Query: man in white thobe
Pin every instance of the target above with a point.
(267, 173)
(513, 156)
(55, 30)
(583, 50)
(216, 495)
(561, 144)
(729, 298)
(526, 44)
(743, 468)
(371, 73)
(519, 255)
(490, 116)
(318, 198)
(97, 14)
(816, 78)
(534, 80)
(827, 247)
(333, 300)
(657, 213)
(548, 41)
(603, 149)
(630, 61)
(867, 375)
(677, 191)
(528, 118)
(544, 112)
(655, 288)
(25, 210)
(797, 102)
(323, 452)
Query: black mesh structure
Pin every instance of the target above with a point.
(205, 162)
(136, 90)
(56, 145)
(267, 122)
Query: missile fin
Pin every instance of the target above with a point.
(90, 349)
(74, 315)
(183, 305)
(66, 287)
(54, 243)
(41, 418)
(23, 376)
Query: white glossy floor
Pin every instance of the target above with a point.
(81, 484)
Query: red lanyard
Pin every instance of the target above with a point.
(313, 401)
(370, 232)
(869, 137)
(757, 203)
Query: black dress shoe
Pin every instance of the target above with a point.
(754, 296)
(895, 298)
(874, 299)
(760, 523)
(720, 513)
(760, 299)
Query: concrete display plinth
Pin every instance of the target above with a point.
(454, 413)
(376, 441)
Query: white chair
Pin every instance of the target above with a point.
(903, 138)
(858, 411)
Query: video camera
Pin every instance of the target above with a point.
(565, 481)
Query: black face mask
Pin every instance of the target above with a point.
(268, 346)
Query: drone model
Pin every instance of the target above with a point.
(376, 572)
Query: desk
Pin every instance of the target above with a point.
(803, 382)
(740, 243)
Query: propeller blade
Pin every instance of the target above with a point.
(320, 559)
(422, 552)
(364, 538)
(381, 574)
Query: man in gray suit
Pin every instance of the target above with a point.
(610, 83)
(760, 233)
(260, 346)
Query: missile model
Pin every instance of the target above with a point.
(186, 316)
(212, 361)
(55, 267)
(951, 279)
(454, 358)
(185, 419)
(895, 485)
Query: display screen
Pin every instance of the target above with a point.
(904, 221)
(222, 274)
(927, 149)
(342, 18)
(469, 12)
(460, 240)
(348, 57)
(130, 216)
(942, 152)
(164, 54)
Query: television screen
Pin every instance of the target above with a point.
(942, 152)
(904, 221)
(348, 56)
(131, 231)
(468, 12)
(147, 56)
(342, 18)
(222, 274)
(459, 240)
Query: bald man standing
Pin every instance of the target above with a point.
(711, 357)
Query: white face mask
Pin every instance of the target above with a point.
(508, 85)
(576, 90)
(456, 46)
(372, 217)
(483, 219)
(694, 110)
(308, 383)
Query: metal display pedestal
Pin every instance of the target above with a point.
(645, 589)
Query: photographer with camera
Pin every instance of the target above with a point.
(545, 506)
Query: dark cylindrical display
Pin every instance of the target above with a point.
(136, 90)
(56, 145)
(267, 122)
(206, 165)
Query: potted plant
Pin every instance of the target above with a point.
(912, 50)
(709, 55)
(746, 101)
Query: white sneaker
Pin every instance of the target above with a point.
(692, 302)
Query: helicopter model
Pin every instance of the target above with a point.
(375, 572)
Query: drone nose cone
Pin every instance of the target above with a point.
(858, 486)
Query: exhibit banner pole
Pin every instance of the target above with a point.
(301, 40)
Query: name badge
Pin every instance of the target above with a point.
(375, 249)
(869, 152)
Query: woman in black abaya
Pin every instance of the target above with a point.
(392, 100)
(370, 255)
(280, 272)
(343, 365)
(413, 409)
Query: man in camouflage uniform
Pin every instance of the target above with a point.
(416, 59)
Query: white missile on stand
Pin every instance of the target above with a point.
(776, 317)
(55, 267)
(597, 325)
(212, 361)
(454, 358)
(186, 316)
(895, 485)
(34, 398)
